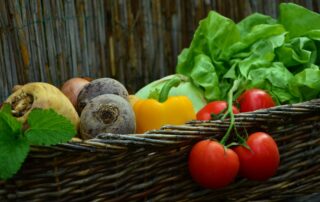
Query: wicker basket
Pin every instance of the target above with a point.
(137, 42)
(153, 166)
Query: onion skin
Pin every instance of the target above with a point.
(72, 87)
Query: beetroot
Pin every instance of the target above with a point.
(107, 113)
(99, 87)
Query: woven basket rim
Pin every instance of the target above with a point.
(173, 135)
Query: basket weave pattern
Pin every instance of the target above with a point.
(153, 166)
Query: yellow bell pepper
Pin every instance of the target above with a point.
(152, 114)
(133, 99)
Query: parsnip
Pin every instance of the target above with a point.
(41, 95)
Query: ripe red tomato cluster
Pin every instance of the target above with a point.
(212, 165)
(215, 107)
(250, 100)
(262, 160)
(254, 99)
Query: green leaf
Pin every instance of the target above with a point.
(307, 83)
(276, 74)
(5, 126)
(313, 34)
(258, 33)
(5, 108)
(205, 76)
(13, 151)
(246, 25)
(279, 55)
(298, 20)
(298, 51)
(232, 72)
(262, 55)
(214, 35)
(13, 146)
(48, 128)
(7, 120)
(275, 79)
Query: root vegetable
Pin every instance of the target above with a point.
(107, 113)
(41, 95)
(15, 88)
(72, 87)
(99, 87)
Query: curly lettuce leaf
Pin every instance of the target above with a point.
(278, 55)
(205, 75)
(298, 20)
(275, 79)
(258, 33)
(306, 84)
(296, 52)
(246, 25)
(213, 36)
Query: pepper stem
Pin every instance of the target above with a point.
(164, 93)
(229, 111)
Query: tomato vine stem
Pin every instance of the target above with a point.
(229, 111)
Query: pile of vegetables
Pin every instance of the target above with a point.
(36, 113)
(278, 55)
(258, 63)
(229, 68)
(39, 113)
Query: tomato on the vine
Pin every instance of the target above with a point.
(212, 165)
(262, 161)
(254, 99)
(215, 107)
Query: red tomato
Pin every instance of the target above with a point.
(211, 165)
(215, 107)
(255, 99)
(262, 162)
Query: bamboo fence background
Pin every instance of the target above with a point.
(134, 41)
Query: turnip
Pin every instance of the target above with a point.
(99, 87)
(107, 113)
(41, 95)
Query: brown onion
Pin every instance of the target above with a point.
(72, 87)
